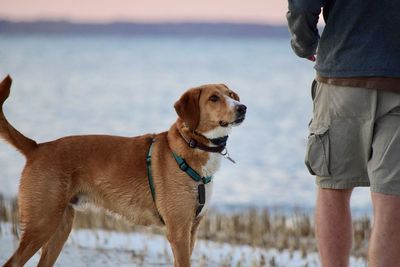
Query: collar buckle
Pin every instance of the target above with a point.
(192, 143)
(183, 166)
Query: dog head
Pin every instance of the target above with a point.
(211, 110)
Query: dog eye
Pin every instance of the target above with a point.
(214, 98)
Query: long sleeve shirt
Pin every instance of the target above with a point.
(361, 38)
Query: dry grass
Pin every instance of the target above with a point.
(255, 227)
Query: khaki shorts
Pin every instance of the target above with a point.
(355, 138)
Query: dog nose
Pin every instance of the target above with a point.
(241, 109)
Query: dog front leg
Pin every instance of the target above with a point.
(179, 238)
(193, 234)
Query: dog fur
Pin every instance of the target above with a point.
(110, 172)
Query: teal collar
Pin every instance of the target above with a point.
(189, 171)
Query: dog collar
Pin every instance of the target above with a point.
(193, 143)
(220, 141)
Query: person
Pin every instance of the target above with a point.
(355, 131)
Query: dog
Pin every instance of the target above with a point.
(161, 179)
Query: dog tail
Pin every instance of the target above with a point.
(22, 143)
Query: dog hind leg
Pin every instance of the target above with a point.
(42, 204)
(53, 247)
(32, 239)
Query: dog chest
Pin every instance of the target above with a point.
(212, 164)
(210, 169)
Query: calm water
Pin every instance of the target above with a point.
(127, 86)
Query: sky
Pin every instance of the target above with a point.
(245, 11)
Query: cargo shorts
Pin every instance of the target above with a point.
(354, 138)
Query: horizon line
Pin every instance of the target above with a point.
(139, 21)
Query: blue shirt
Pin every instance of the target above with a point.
(361, 38)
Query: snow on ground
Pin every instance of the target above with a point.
(105, 248)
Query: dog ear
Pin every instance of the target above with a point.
(188, 108)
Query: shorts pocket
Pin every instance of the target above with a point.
(317, 155)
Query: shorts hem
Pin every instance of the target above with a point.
(384, 190)
(341, 185)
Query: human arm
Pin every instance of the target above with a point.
(302, 20)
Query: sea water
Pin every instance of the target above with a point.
(127, 85)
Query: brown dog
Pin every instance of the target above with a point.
(112, 172)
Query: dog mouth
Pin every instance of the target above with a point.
(239, 120)
(236, 122)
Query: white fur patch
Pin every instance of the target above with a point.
(218, 132)
(210, 169)
(83, 203)
(212, 164)
(231, 102)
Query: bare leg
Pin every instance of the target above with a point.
(384, 248)
(333, 227)
(53, 247)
